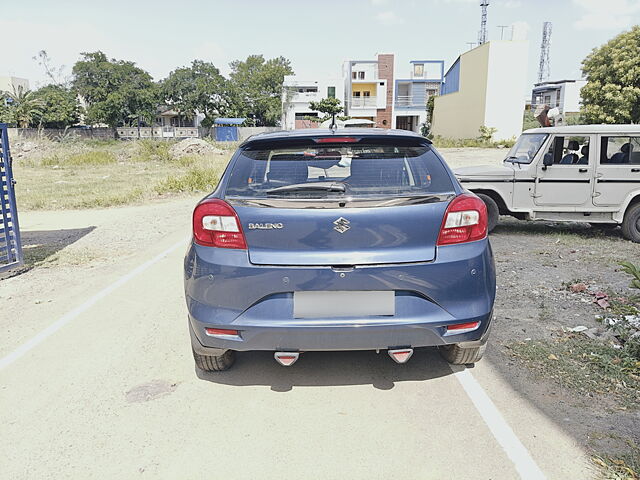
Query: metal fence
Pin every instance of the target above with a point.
(10, 246)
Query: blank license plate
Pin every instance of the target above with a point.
(343, 304)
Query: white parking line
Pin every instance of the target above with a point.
(515, 450)
(67, 317)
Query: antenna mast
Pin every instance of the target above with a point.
(544, 70)
(482, 34)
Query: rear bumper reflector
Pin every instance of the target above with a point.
(461, 328)
(401, 355)
(222, 333)
(286, 359)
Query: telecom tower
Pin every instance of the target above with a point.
(482, 34)
(544, 70)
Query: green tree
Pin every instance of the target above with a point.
(60, 107)
(117, 92)
(22, 106)
(198, 88)
(329, 106)
(255, 88)
(612, 92)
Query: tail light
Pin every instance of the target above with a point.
(216, 224)
(464, 221)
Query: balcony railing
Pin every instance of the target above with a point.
(363, 102)
(408, 101)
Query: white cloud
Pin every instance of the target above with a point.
(609, 15)
(389, 17)
(379, 2)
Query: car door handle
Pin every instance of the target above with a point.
(583, 170)
(635, 170)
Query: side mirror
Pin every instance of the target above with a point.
(547, 160)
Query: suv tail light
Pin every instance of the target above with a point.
(464, 221)
(216, 224)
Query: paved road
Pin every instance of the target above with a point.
(105, 387)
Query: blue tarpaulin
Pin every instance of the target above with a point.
(227, 129)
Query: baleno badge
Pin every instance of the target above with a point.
(341, 225)
(265, 226)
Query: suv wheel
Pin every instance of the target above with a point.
(217, 363)
(457, 355)
(631, 223)
(492, 211)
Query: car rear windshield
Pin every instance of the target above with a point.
(354, 170)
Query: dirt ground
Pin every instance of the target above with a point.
(71, 254)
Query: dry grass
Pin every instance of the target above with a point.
(90, 174)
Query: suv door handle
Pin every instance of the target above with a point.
(583, 170)
(635, 170)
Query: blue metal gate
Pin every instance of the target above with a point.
(10, 246)
(226, 133)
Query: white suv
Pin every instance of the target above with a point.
(585, 173)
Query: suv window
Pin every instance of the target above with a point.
(526, 147)
(573, 150)
(356, 170)
(620, 150)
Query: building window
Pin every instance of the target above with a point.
(418, 70)
(361, 75)
(366, 94)
(331, 92)
(354, 75)
(356, 94)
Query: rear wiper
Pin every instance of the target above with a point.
(305, 187)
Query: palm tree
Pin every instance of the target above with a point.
(23, 105)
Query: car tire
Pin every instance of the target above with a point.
(215, 363)
(493, 212)
(631, 223)
(457, 355)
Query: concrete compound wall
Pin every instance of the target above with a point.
(246, 132)
(109, 133)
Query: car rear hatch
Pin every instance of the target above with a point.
(342, 236)
(353, 203)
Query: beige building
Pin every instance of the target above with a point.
(484, 87)
(8, 84)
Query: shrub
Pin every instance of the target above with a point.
(197, 179)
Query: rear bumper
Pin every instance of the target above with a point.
(353, 337)
(228, 292)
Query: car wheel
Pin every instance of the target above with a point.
(631, 223)
(457, 355)
(214, 363)
(493, 212)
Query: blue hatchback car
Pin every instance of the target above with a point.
(355, 239)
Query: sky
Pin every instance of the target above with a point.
(316, 36)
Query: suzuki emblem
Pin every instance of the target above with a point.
(341, 225)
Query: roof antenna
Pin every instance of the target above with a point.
(333, 125)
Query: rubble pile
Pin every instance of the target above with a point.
(193, 146)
